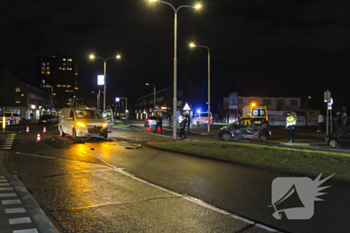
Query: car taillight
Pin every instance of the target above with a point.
(267, 119)
(148, 120)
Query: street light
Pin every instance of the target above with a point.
(197, 6)
(104, 74)
(154, 109)
(192, 45)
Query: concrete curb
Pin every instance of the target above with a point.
(279, 170)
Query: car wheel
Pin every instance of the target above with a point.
(264, 136)
(62, 134)
(74, 133)
(226, 136)
(333, 143)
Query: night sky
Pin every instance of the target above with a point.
(258, 48)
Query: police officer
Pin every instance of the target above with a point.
(291, 121)
(182, 122)
(159, 124)
(188, 117)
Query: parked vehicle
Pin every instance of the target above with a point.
(11, 118)
(201, 118)
(339, 138)
(49, 119)
(150, 121)
(82, 122)
(246, 128)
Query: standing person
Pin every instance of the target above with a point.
(338, 122)
(159, 124)
(320, 120)
(344, 120)
(188, 117)
(182, 122)
(291, 121)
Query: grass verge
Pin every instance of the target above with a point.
(303, 161)
(117, 124)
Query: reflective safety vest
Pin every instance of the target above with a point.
(291, 120)
(181, 118)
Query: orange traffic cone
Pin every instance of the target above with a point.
(44, 130)
(38, 139)
(27, 131)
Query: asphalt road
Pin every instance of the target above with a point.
(101, 186)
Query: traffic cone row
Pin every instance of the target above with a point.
(27, 131)
(38, 139)
(44, 130)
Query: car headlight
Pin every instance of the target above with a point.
(105, 125)
(81, 124)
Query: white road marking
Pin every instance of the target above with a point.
(6, 188)
(11, 202)
(15, 210)
(15, 221)
(2, 177)
(33, 230)
(4, 184)
(188, 198)
(8, 195)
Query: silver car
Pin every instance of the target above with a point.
(151, 121)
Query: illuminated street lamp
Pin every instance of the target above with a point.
(104, 74)
(197, 6)
(192, 45)
(117, 99)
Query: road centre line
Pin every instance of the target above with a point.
(188, 198)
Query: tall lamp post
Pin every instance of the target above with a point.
(175, 57)
(104, 74)
(200, 46)
(154, 88)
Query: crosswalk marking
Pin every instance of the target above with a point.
(6, 189)
(26, 231)
(8, 195)
(7, 145)
(15, 210)
(11, 202)
(15, 221)
(4, 184)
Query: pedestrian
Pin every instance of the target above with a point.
(159, 125)
(344, 120)
(291, 121)
(320, 120)
(338, 122)
(182, 122)
(188, 117)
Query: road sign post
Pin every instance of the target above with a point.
(327, 98)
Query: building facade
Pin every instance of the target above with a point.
(26, 100)
(59, 75)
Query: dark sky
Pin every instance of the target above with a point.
(270, 48)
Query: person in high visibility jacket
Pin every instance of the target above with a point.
(182, 122)
(291, 121)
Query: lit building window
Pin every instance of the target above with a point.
(17, 101)
(22, 94)
(43, 81)
(53, 93)
(47, 68)
(63, 85)
(63, 68)
(47, 72)
(69, 59)
(18, 89)
(59, 68)
(43, 72)
(48, 64)
(58, 85)
(43, 64)
(69, 86)
(63, 59)
(64, 64)
(76, 73)
(76, 88)
(42, 68)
